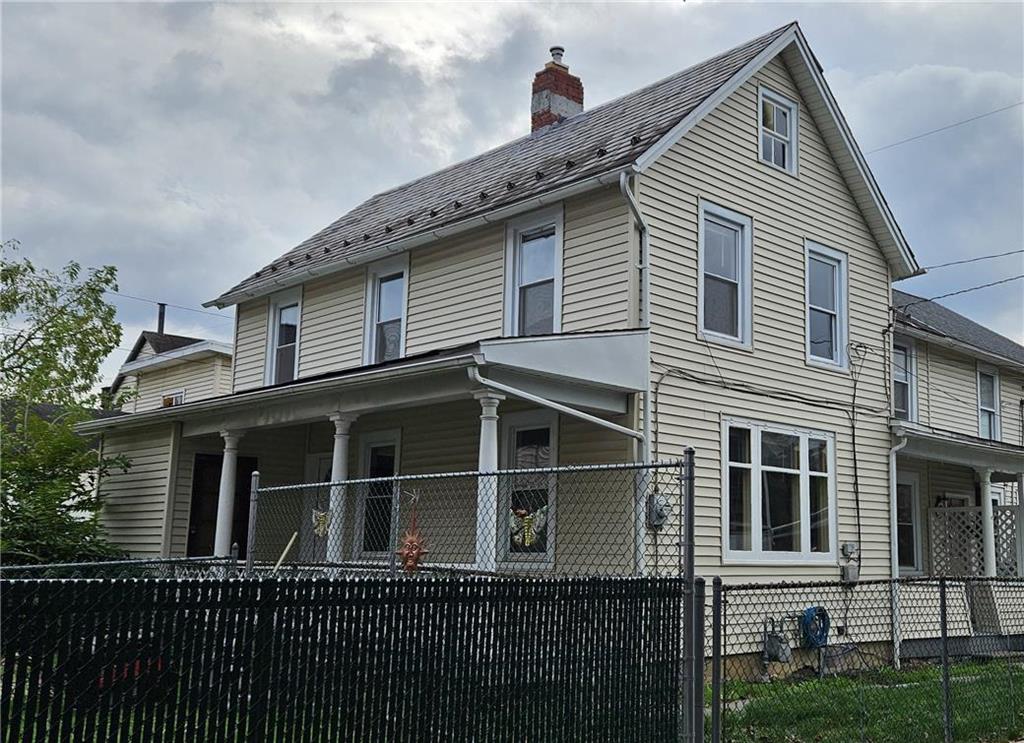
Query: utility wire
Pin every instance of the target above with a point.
(943, 128)
(961, 291)
(973, 260)
(169, 304)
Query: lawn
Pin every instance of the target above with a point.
(880, 706)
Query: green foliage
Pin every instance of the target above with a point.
(56, 330)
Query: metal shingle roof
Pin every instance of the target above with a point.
(933, 317)
(602, 140)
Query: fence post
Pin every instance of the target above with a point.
(716, 660)
(947, 712)
(689, 600)
(250, 536)
(396, 496)
(698, 660)
(897, 631)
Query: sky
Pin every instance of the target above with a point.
(190, 144)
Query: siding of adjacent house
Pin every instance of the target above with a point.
(718, 161)
(1010, 411)
(134, 501)
(199, 378)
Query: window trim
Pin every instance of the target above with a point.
(172, 393)
(793, 108)
(841, 261)
(368, 440)
(756, 555)
(375, 272)
(911, 349)
(997, 423)
(277, 301)
(914, 481)
(514, 228)
(745, 268)
(510, 423)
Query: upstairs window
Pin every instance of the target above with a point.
(903, 375)
(170, 399)
(988, 403)
(534, 275)
(283, 338)
(780, 119)
(826, 306)
(724, 301)
(385, 311)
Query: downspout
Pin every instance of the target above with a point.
(894, 559)
(645, 300)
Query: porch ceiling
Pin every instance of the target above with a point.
(956, 448)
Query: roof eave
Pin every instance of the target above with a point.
(916, 331)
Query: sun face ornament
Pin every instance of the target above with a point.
(414, 545)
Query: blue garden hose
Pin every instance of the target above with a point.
(814, 625)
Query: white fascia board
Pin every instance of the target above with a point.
(497, 215)
(953, 448)
(906, 265)
(616, 360)
(177, 356)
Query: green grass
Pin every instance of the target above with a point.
(880, 706)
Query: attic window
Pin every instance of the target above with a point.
(780, 120)
(170, 399)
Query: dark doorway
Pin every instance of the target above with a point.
(202, 520)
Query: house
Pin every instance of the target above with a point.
(705, 262)
(958, 408)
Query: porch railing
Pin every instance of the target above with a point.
(614, 519)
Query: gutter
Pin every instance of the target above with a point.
(497, 215)
(894, 561)
(644, 266)
(179, 354)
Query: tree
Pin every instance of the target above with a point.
(56, 330)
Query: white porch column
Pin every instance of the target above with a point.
(988, 526)
(339, 473)
(226, 494)
(487, 487)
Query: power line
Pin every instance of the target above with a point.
(973, 260)
(962, 291)
(943, 128)
(169, 304)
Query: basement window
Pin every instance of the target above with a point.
(780, 119)
(779, 499)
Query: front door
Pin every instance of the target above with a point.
(202, 520)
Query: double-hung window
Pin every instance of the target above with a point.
(780, 493)
(384, 336)
(533, 293)
(527, 513)
(780, 120)
(724, 291)
(903, 380)
(826, 306)
(988, 403)
(283, 338)
(908, 524)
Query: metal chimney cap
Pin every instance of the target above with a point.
(556, 54)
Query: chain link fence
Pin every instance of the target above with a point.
(174, 567)
(935, 659)
(623, 519)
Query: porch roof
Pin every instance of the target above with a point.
(925, 442)
(594, 370)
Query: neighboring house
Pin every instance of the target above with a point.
(711, 249)
(958, 409)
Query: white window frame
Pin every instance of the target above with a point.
(172, 394)
(374, 273)
(277, 301)
(911, 382)
(756, 555)
(841, 262)
(996, 418)
(911, 479)
(793, 110)
(514, 230)
(745, 273)
(510, 424)
(367, 441)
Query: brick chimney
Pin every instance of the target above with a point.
(557, 95)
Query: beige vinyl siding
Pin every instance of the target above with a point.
(129, 390)
(134, 501)
(250, 345)
(718, 161)
(935, 481)
(200, 379)
(952, 390)
(1011, 392)
(596, 263)
(332, 323)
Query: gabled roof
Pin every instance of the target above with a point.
(584, 151)
(931, 317)
(159, 342)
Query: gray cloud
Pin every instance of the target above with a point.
(191, 143)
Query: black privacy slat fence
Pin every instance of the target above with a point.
(458, 658)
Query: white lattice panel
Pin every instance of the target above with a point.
(1006, 541)
(956, 546)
